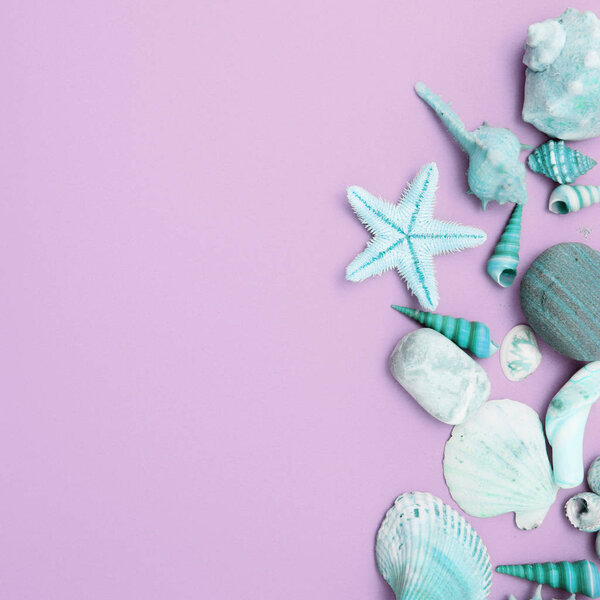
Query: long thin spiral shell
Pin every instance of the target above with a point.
(575, 577)
(469, 335)
(559, 162)
(571, 198)
(502, 265)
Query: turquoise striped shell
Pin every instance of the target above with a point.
(426, 551)
(580, 577)
(559, 162)
(502, 265)
(469, 335)
(593, 476)
(571, 198)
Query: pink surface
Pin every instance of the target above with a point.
(195, 404)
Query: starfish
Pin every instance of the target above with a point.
(406, 237)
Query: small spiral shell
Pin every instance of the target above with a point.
(559, 162)
(583, 511)
(571, 198)
(502, 265)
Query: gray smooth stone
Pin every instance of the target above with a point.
(442, 378)
(560, 297)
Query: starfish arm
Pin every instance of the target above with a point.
(443, 237)
(378, 216)
(379, 256)
(416, 267)
(418, 199)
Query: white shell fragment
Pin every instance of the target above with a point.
(593, 476)
(583, 510)
(426, 551)
(520, 355)
(496, 462)
(442, 378)
(538, 595)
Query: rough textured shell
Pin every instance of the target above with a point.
(575, 577)
(502, 265)
(520, 355)
(559, 162)
(496, 462)
(495, 171)
(583, 511)
(566, 420)
(571, 198)
(469, 335)
(593, 476)
(562, 85)
(426, 551)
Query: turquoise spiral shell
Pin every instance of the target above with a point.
(502, 265)
(469, 335)
(579, 577)
(571, 198)
(559, 162)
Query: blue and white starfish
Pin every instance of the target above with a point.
(407, 237)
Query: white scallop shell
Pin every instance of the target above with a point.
(496, 462)
(426, 551)
(583, 510)
(520, 355)
(593, 476)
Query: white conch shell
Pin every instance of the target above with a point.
(593, 476)
(565, 423)
(583, 510)
(496, 462)
(520, 355)
(426, 551)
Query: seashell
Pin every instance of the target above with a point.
(538, 595)
(593, 476)
(520, 355)
(562, 84)
(565, 423)
(502, 265)
(559, 162)
(442, 378)
(426, 551)
(495, 172)
(583, 510)
(575, 577)
(469, 335)
(571, 198)
(496, 462)
(559, 298)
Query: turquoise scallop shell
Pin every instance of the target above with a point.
(559, 162)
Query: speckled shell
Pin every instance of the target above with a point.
(496, 462)
(566, 420)
(520, 355)
(495, 171)
(593, 476)
(571, 198)
(469, 335)
(562, 84)
(502, 265)
(575, 577)
(426, 551)
(583, 511)
(559, 162)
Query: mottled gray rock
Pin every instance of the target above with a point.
(442, 378)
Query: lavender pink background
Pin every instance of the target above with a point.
(195, 404)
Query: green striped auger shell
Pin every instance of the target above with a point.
(559, 162)
(571, 198)
(469, 335)
(579, 577)
(502, 265)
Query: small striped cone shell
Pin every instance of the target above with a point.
(469, 335)
(580, 577)
(593, 476)
(571, 198)
(559, 162)
(583, 510)
(502, 265)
